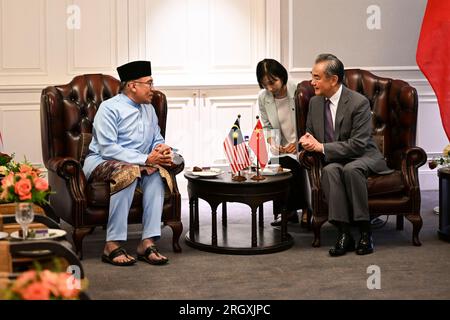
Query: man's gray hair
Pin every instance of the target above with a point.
(334, 67)
(123, 85)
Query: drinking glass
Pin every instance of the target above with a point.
(274, 136)
(24, 216)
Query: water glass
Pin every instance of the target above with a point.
(24, 216)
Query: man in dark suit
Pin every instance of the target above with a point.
(339, 126)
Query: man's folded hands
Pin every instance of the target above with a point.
(161, 155)
(309, 143)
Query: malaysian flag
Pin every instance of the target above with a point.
(235, 149)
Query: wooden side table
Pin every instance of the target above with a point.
(237, 238)
(444, 204)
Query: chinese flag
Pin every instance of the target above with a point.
(258, 145)
(433, 54)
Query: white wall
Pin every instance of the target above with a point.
(200, 45)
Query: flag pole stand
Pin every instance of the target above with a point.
(239, 178)
(258, 176)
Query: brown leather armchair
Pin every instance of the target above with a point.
(394, 118)
(67, 114)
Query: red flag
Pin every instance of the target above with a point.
(235, 149)
(258, 145)
(433, 53)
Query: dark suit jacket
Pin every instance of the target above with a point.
(352, 131)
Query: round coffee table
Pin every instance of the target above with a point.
(237, 238)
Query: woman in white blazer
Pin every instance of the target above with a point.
(277, 111)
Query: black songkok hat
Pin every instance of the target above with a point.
(134, 70)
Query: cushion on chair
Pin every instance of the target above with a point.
(380, 185)
(98, 194)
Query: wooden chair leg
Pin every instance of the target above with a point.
(417, 223)
(177, 229)
(317, 223)
(306, 219)
(78, 236)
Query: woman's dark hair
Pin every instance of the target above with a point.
(272, 69)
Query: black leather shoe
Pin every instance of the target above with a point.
(292, 217)
(365, 244)
(344, 243)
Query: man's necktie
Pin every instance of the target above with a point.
(328, 122)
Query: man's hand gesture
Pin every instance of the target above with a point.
(309, 143)
(161, 155)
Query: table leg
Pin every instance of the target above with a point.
(224, 214)
(214, 227)
(191, 219)
(283, 224)
(254, 239)
(276, 209)
(197, 225)
(261, 215)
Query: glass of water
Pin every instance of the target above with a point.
(24, 216)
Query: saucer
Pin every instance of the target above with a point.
(212, 172)
(52, 234)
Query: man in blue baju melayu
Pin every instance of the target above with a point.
(126, 140)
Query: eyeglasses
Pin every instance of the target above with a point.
(150, 83)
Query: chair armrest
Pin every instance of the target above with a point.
(65, 167)
(67, 179)
(69, 169)
(178, 164)
(310, 160)
(313, 162)
(411, 160)
(414, 156)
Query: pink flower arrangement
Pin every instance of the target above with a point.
(44, 285)
(22, 183)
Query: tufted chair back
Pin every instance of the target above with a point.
(67, 115)
(394, 106)
(73, 108)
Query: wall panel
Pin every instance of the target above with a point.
(93, 47)
(22, 37)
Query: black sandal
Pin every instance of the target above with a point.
(114, 254)
(152, 249)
